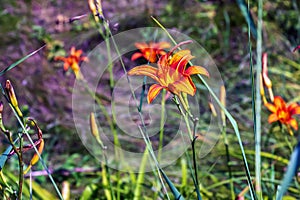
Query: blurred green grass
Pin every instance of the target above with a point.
(218, 26)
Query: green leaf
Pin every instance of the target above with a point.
(88, 191)
(140, 179)
(20, 61)
(4, 157)
(173, 189)
(245, 12)
(290, 173)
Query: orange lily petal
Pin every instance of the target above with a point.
(136, 56)
(185, 85)
(271, 107)
(293, 123)
(196, 70)
(154, 90)
(72, 51)
(77, 53)
(84, 58)
(279, 102)
(141, 45)
(150, 55)
(161, 52)
(294, 109)
(66, 66)
(181, 65)
(164, 45)
(144, 70)
(177, 57)
(272, 118)
(59, 58)
(75, 66)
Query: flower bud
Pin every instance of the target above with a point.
(267, 81)
(11, 94)
(1, 122)
(12, 98)
(94, 129)
(223, 102)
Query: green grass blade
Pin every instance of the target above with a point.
(290, 173)
(20, 61)
(140, 179)
(257, 113)
(246, 13)
(4, 157)
(173, 189)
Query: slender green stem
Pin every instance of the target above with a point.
(228, 161)
(186, 119)
(258, 104)
(195, 169)
(21, 165)
(162, 121)
(193, 138)
(18, 152)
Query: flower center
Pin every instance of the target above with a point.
(283, 116)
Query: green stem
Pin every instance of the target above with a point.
(228, 162)
(184, 116)
(195, 169)
(193, 138)
(258, 104)
(20, 159)
(162, 120)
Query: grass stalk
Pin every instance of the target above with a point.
(20, 160)
(140, 179)
(257, 128)
(162, 121)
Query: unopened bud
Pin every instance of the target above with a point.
(1, 122)
(212, 108)
(94, 129)
(11, 94)
(12, 98)
(66, 190)
(223, 102)
(262, 90)
(93, 9)
(267, 81)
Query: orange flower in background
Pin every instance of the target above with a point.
(150, 51)
(72, 61)
(171, 73)
(283, 113)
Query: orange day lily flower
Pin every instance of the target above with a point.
(72, 61)
(150, 51)
(283, 113)
(171, 73)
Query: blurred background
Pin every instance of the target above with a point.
(44, 89)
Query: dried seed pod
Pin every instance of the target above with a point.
(35, 157)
